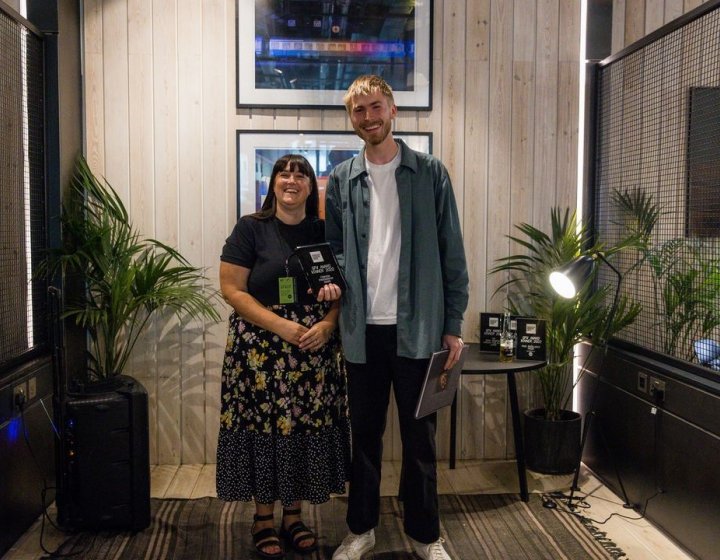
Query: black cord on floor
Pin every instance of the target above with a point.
(559, 502)
(558, 497)
(43, 496)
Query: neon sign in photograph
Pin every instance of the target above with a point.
(305, 53)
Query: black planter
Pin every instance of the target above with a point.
(552, 446)
(106, 385)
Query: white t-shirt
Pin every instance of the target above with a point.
(384, 244)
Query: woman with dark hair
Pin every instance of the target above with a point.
(284, 428)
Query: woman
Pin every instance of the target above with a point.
(284, 429)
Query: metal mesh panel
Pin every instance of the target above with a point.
(658, 133)
(22, 191)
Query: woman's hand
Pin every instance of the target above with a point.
(233, 283)
(291, 332)
(317, 336)
(329, 292)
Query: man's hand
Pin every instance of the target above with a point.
(455, 345)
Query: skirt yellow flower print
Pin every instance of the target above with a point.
(283, 410)
(256, 359)
(284, 425)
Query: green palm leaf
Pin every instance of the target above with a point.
(567, 321)
(126, 278)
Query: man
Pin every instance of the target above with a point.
(391, 219)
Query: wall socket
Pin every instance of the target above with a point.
(19, 389)
(642, 382)
(657, 389)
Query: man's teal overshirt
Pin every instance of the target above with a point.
(433, 279)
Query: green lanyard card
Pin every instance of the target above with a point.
(287, 290)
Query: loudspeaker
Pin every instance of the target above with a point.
(104, 478)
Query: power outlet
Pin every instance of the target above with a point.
(657, 389)
(32, 388)
(642, 382)
(19, 395)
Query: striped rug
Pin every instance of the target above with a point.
(474, 527)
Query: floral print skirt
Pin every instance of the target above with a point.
(284, 426)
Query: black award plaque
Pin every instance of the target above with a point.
(530, 339)
(320, 266)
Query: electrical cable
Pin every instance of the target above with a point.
(557, 498)
(20, 402)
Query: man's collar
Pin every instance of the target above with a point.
(408, 158)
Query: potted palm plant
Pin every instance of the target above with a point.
(121, 281)
(125, 278)
(585, 317)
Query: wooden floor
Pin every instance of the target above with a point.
(636, 537)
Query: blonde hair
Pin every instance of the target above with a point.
(365, 85)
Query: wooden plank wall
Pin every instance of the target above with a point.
(160, 113)
(633, 19)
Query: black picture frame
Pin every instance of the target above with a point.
(703, 163)
(303, 53)
(258, 150)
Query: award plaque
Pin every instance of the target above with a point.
(320, 266)
(491, 326)
(490, 329)
(530, 339)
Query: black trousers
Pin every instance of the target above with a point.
(369, 395)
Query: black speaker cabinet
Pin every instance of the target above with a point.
(104, 478)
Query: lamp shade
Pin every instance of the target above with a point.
(568, 279)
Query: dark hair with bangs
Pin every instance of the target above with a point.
(292, 162)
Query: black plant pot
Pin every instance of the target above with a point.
(106, 385)
(552, 446)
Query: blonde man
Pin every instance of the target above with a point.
(392, 220)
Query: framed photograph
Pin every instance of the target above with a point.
(305, 53)
(257, 152)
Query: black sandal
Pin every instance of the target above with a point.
(265, 538)
(298, 533)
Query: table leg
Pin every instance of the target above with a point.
(517, 433)
(453, 429)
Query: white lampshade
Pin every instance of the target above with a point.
(562, 285)
(567, 280)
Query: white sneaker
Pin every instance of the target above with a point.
(354, 546)
(432, 551)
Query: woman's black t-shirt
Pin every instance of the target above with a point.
(264, 246)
